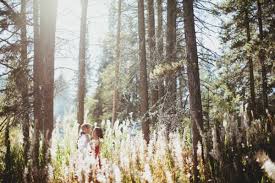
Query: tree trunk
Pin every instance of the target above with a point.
(182, 84)
(251, 73)
(160, 45)
(117, 65)
(37, 107)
(262, 58)
(47, 51)
(24, 82)
(143, 72)
(152, 49)
(82, 63)
(193, 80)
(171, 85)
(7, 177)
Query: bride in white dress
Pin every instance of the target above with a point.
(84, 150)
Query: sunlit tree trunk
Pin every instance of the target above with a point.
(48, 12)
(117, 65)
(193, 80)
(160, 44)
(82, 63)
(143, 72)
(262, 57)
(23, 87)
(47, 53)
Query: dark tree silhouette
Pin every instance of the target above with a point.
(193, 80)
(143, 71)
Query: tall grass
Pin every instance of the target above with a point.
(125, 156)
(234, 149)
(12, 165)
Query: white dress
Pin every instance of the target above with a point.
(84, 149)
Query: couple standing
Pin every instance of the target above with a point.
(88, 145)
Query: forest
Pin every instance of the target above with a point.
(142, 91)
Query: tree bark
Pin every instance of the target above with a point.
(82, 63)
(7, 177)
(24, 90)
(47, 51)
(160, 44)
(193, 80)
(251, 72)
(182, 84)
(171, 39)
(117, 65)
(262, 58)
(152, 48)
(37, 104)
(143, 72)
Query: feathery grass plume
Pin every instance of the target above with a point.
(267, 165)
(117, 173)
(125, 157)
(215, 152)
(147, 175)
(177, 150)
